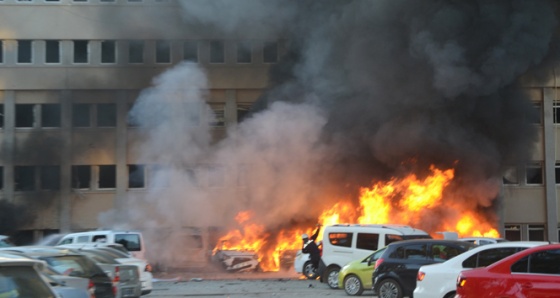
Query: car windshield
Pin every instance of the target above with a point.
(74, 265)
(130, 241)
(22, 281)
(375, 255)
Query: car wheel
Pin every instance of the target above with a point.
(450, 295)
(389, 288)
(332, 277)
(309, 271)
(353, 285)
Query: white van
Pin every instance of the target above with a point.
(131, 240)
(343, 243)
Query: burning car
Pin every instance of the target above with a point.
(237, 261)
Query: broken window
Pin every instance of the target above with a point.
(24, 54)
(218, 115)
(244, 51)
(217, 51)
(81, 177)
(534, 174)
(52, 51)
(136, 51)
(25, 115)
(50, 115)
(107, 176)
(136, 176)
(510, 176)
(242, 111)
(108, 51)
(270, 52)
(163, 51)
(80, 51)
(24, 178)
(81, 115)
(190, 51)
(106, 115)
(49, 177)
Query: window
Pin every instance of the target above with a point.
(367, 241)
(341, 239)
(159, 176)
(24, 178)
(217, 51)
(49, 177)
(557, 172)
(52, 51)
(489, 256)
(107, 176)
(242, 111)
(244, 51)
(190, 51)
(136, 51)
(81, 177)
(25, 115)
(81, 115)
(24, 54)
(108, 51)
(542, 262)
(416, 251)
(536, 233)
(218, 117)
(1, 51)
(136, 176)
(106, 115)
(1, 177)
(513, 232)
(270, 52)
(534, 173)
(537, 117)
(130, 241)
(163, 51)
(510, 176)
(556, 111)
(1, 115)
(80, 51)
(50, 115)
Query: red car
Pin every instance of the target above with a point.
(534, 272)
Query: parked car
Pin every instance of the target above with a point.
(66, 262)
(21, 277)
(118, 254)
(396, 269)
(133, 241)
(355, 276)
(534, 272)
(343, 243)
(63, 289)
(302, 263)
(439, 280)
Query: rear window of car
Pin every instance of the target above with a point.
(22, 281)
(74, 265)
(130, 241)
(341, 239)
(489, 256)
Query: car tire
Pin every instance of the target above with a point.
(389, 288)
(353, 285)
(309, 271)
(332, 276)
(450, 295)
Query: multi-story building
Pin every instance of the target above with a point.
(70, 70)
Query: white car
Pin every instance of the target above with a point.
(439, 280)
(21, 277)
(482, 240)
(302, 265)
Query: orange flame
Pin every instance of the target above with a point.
(409, 200)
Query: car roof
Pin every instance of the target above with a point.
(403, 229)
(37, 251)
(429, 241)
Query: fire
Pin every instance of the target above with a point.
(409, 200)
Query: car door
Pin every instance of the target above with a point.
(415, 256)
(541, 277)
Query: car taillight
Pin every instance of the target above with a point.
(91, 289)
(117, 276)
(461, 281)
(420, 276)
(378, 262)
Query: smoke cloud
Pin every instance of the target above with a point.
(363, 86)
